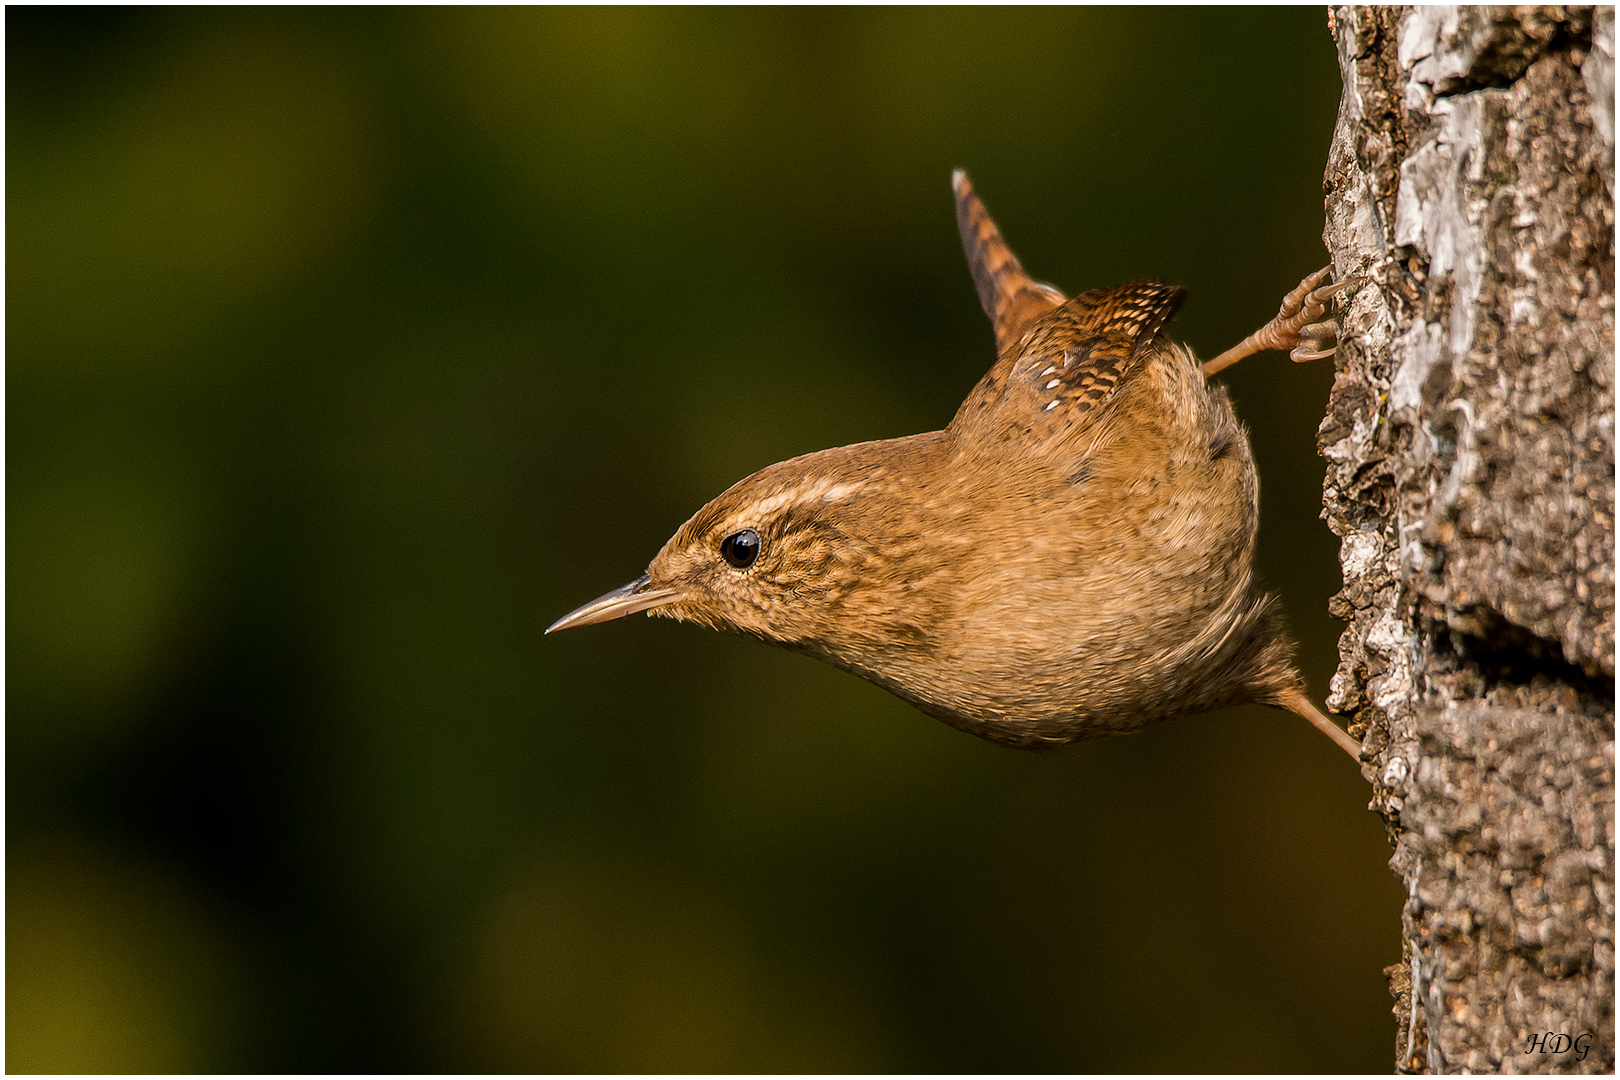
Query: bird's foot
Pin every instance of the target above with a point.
(1296, 328)
(1299, 329)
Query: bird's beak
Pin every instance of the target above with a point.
(632, 598)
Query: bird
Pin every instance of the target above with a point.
(1070, 557)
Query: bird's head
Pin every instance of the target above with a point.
(801, 554)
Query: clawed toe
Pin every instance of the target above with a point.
(1337, 287)
(1319, 298)
(1298, 297)
(1316, 341)
(1307, 303)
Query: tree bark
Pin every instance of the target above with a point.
(1470, 448)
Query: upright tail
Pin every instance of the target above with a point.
(1011, 298)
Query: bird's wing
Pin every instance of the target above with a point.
(1069, 364)
(1084, 350)
(1013, 300)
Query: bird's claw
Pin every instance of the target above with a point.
(1299, 328)
(1317, 341)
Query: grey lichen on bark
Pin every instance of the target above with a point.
(1470, 448)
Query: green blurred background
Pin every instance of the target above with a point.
(347, 349)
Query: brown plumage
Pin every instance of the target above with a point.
(1069, 558)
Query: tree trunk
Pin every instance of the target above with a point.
(1470, 447)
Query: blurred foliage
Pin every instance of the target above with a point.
(347, 348)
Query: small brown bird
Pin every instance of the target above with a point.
(1071, 557)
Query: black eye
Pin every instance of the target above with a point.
(740, 549)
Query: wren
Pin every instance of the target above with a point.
(1071, 557)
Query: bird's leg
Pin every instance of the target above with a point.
(1298, 702)
(1296, 329)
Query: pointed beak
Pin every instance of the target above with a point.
(634, 597)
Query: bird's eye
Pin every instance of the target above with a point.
(740, 549)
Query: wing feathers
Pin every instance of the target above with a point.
(1084, 350)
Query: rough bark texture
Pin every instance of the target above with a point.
(1470, 447)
